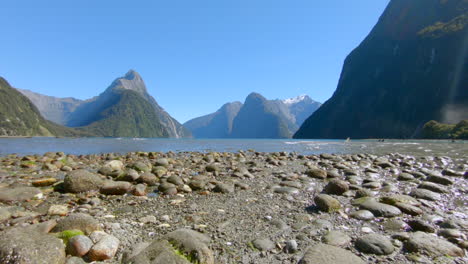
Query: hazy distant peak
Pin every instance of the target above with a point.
(296, 99)
(132, 75)
(131, 81)
(255, 97)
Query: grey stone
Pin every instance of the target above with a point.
(116, 187)
(336, 238)
(326, 254)
(263, 244)
(16, 194)
(365, 215)
(81, 181)
(79, 245)
(425, 194)
(224, 187)
(380, 209)
(431, 245)
(78, 221)
(19, 245)
(374, 244)
(104, 248)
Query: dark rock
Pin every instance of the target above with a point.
(420, 225)
(374, 244)
(316, 173)
(148, 178)
(79, 245)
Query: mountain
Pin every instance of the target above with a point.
(55, 109)
(20, 117)
(125, 109)
(301, 108)
(215, 125)
(259, 118)
(256, 118)
(410, 69)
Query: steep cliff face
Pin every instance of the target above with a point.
(410, 69)
(125, 109)
(20, 117)
(55, 109)
(215, 125)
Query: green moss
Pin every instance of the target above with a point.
(68, 234)
(189, 257)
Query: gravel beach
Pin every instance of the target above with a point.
(242, 207)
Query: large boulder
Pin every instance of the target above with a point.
(81, 181)
(22, 245)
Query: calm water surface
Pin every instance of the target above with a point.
(40, 145)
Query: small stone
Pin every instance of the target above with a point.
(148, 219)
(263, 244)
(316, 173)
(148, 178)
(362, 215)
(290, 246)
(79, 245)
(116, 188)
(433, 187)
(104, 249)
(140, 190)
(337, 239)
(425, 194)
(327, 203)
(439, 179)
(420, 225)
(337, 187)
(44, 182)
(374, 244)
(60, 210)
(381, 209)
(212, 168)
(224, 188)
(162, 162)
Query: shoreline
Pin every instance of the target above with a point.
(241, 207)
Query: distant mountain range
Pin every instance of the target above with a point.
(124, 109)
(256, 118)
(410, 69)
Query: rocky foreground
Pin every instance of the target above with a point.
(245, 207)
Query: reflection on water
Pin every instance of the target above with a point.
(24, 146)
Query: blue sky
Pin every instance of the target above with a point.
(193, 55)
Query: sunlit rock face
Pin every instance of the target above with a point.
(411, 68)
